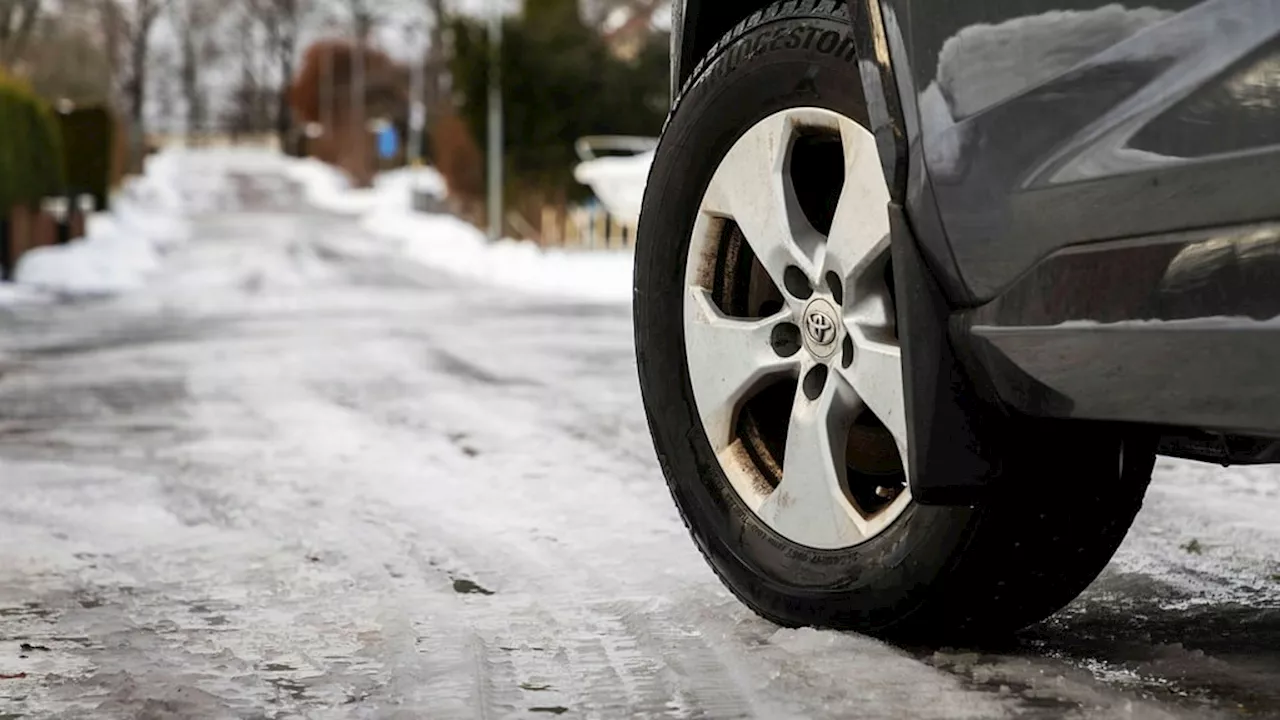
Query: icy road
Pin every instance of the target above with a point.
(298, 476)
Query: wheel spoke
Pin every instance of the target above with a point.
(870, 307)
(876, 377)
(753, 188)
(727, 358)
(860, 230)
(810, 505)
(838, 281)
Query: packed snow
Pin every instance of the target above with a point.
(444, 241)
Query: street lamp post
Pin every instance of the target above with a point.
(417, 107)
(358, 130)
(495, 120)
(326, 93)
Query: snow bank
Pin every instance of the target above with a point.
(328, 188)
(111, 258)
(451, 244)
(121, 247)
(618, 182)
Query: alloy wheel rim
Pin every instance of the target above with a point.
(836, 477)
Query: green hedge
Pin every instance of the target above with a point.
(31, 165)
(87, 142)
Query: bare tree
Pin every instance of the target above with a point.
(57, 48)
(17, 23)
(128, 24)
(363, 15)
(436, 61)
(246, 112)
(282, 22)
(194, 23)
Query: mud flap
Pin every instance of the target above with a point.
(944, 455)
(946, 420)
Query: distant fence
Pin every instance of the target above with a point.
(588, 227)
(53, 220)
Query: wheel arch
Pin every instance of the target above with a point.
(697, 26)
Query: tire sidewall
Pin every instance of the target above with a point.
(787, 63)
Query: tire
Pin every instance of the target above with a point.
(1059, 505)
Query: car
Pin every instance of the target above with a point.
(922, 289)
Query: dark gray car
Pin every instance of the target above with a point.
(923, 287)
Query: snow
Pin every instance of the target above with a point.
(451, 244)
(111, 258)
(328, 188)
(150, 217)
(122, 247)
(448, 243)
(619, 183)
(13, 294)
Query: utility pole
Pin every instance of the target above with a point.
(495, 120)
(417, 105)
(357, 96)
(326, 92)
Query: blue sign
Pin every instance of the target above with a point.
(388, 142)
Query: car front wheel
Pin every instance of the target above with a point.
(772, 370)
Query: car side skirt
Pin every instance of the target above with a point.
(1178, 330)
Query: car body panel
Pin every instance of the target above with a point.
(1104, 177)
(1178, 329)
(1049, 123)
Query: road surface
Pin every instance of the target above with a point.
(297, 476)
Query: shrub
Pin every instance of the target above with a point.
(30, 149)
(88, 136)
